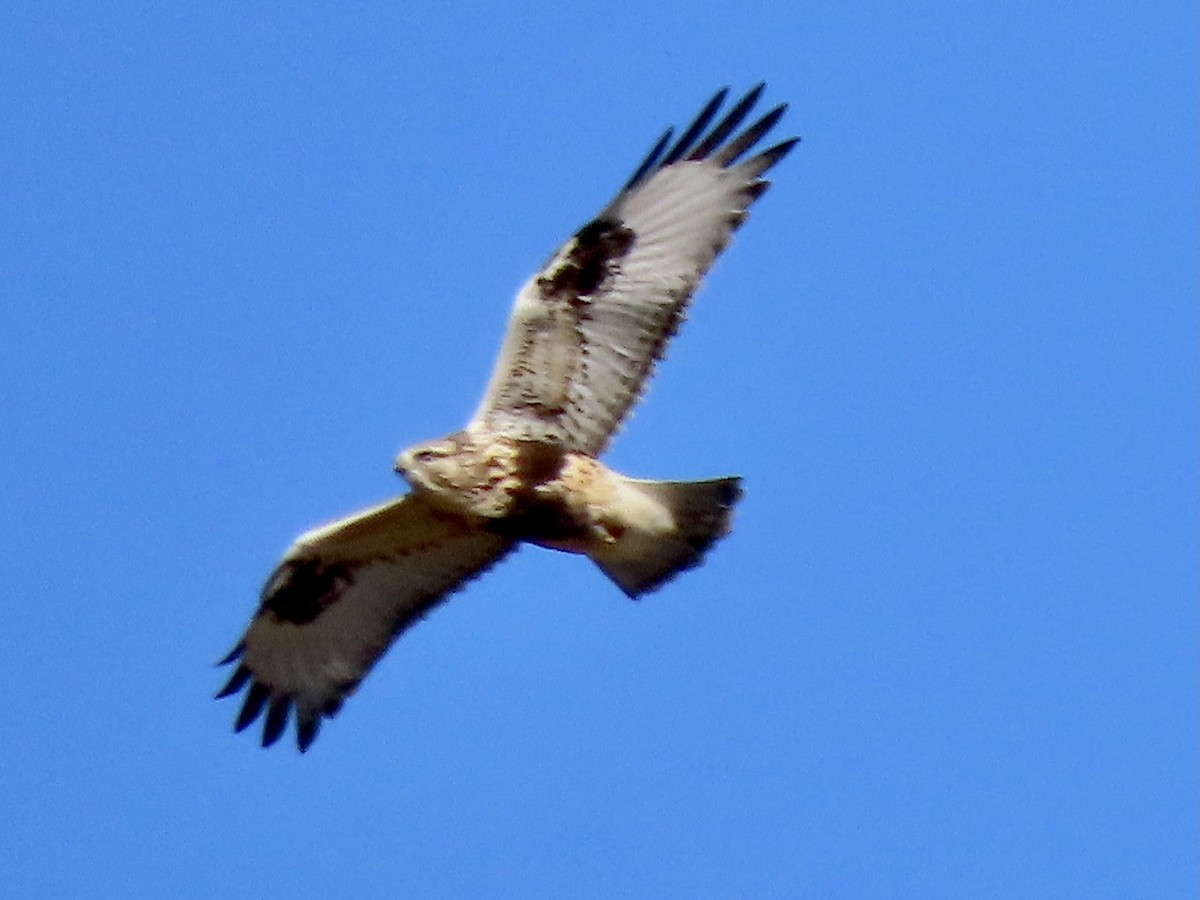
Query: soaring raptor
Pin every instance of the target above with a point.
(582, 342)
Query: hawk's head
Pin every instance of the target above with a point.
(463, 473)
(433, 467)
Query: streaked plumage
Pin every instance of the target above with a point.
(582, 342)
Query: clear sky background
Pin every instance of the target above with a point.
(247, 254)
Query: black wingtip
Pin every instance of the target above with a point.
(307, 727)
(693, 131)
(276, 721)
(232, 655)
(727, 125)
(236, 682)
(740, 145)
(278, 712)
(694, 144)
(256, 699)
(652, 159)
(772, 155)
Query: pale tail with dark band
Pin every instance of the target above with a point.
(701, 513)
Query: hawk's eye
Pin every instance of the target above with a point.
(425, 456)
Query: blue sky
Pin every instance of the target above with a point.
(950, 649)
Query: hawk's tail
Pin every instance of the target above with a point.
(698, 514)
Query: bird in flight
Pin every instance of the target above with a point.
(581, 345)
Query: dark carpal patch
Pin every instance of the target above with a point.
(300, 590)
(590, 260)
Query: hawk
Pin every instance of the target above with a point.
(582, 342)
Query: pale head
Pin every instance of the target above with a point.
(433, 466)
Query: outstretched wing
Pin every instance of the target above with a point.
(587, 330)
(339, 598)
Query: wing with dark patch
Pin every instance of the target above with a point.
(586, 330)
(338, 599)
